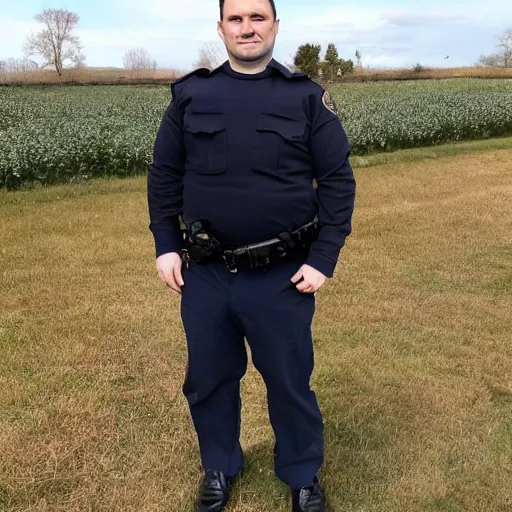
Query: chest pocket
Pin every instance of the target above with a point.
(283, 142)
(205, 142)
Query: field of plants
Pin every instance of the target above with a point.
(57, 134)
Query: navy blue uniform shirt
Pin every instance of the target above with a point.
(242, 150)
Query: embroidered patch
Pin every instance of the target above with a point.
(329, 103)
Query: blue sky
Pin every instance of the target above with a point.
(395, 33)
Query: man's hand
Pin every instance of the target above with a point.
(169, 270)
(313, 279)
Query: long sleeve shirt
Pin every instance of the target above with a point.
(244, 151)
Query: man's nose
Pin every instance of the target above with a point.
(247, 30)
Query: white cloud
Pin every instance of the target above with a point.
(172, 32)
(169, 49)
(129, 38)
(166, 10)
(340, 17)
(407, 19)
(13, 35)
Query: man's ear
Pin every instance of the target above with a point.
(276, 27)
(220, 31)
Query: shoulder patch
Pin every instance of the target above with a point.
(329, 103)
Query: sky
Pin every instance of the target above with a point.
(391, 34)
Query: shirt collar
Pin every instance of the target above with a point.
(273, 64)
(282, 69)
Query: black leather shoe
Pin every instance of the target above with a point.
(214, 492)
(308, 499)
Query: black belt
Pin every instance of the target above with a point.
(266, 253)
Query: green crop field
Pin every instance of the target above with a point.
(389, 116)
(57, 134)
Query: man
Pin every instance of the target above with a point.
(235, 157)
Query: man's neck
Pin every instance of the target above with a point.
(249, 68)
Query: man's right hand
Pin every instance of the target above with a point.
(169, 270)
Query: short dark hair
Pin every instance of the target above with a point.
(221, 5)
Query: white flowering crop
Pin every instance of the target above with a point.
(56, 134)
(389, 116)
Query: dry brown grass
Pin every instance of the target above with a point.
(89, 76)
(369, 75)
(413, 353)
(98, 76)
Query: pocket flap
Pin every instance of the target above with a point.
(287, 127)
(205, 122)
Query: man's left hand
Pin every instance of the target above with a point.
(313, 279)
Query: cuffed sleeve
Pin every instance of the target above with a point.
(165, 183)
(336, 188)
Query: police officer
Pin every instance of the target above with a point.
(255, 162)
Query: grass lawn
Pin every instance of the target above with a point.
(413, 351)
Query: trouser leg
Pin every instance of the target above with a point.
(217, 360)
(277, 321)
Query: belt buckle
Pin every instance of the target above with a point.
(229, 260)
(256, 259)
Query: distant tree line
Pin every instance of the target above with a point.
(307, 59)
(56, 46)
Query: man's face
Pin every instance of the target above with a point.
(248, 29)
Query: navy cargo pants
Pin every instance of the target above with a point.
(219, 311)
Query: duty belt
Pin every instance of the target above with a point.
(264, 253)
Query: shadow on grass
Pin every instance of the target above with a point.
(258, 485)
(358, 468)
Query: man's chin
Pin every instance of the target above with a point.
(252, 57)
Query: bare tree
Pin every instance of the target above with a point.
(502, 59)
(505, 42)
(56, 43)
(20, 65)
(15, 68)
(138, 62)
(211, 56)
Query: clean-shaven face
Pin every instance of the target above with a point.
(248, 29)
